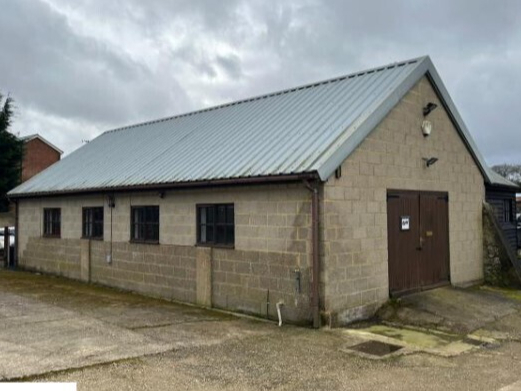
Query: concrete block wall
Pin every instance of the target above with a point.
(57, 256)
(354, 212)
(246, 281)
(164, 271)
(272, 230)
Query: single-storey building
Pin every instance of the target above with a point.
(328, 198)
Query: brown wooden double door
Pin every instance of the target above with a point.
(418, 236)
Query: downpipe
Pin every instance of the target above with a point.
(315, 287)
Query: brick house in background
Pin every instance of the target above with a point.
(327, 198)
(39, 154)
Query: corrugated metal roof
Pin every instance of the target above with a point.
(308, 129)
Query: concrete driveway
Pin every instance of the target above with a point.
(49, 324)
(57, 330)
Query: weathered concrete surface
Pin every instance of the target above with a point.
(415, 340)
(303, 360)
(49, 324)
(38, 338)
(450, 309)
(53, 322)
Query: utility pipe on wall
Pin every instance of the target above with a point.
(315, 287)
(279, 304)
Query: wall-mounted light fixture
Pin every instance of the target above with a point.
(426, 128)
(429, 161)
(161, 194)
(111, 201)
(430, 107)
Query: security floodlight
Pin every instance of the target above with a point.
(429, 108)
(429, 161)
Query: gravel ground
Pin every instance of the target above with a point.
(205, 350)
(293, 359)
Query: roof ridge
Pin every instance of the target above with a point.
(271, 94)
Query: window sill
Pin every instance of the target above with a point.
(92, 238)
(52, 236)
(144, 241)
(223, 246)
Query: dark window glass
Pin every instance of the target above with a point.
(144, 224)
(508, 215)
(52, 222)
(93, 222)
(216, 224)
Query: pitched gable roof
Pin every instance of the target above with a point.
(308, 129)
(42, 139)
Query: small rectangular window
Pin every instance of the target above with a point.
(93, 223)
(52, 222)
(144, 224)
(216, 224)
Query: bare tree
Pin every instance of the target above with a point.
(510, 171)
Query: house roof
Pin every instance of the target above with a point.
(310, 129)
(499, 180)
(42, 139)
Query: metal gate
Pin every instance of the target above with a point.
(418, 240)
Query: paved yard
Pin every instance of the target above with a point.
(57, 330)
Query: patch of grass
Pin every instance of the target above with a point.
(509, 293)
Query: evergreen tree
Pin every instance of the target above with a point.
(11, 153)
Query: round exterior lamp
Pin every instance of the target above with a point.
(426, 128)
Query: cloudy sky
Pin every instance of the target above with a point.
(78, 68)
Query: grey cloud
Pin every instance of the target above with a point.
(183, 54)
(231, 65)
(77, 77)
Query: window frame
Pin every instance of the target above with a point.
(86, 209)
(215, 225)
(145, 224)
(52, 224)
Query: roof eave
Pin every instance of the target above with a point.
(269, 179)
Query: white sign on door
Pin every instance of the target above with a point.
(405, 223)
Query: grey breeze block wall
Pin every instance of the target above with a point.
(354, 214)
(272, 241)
